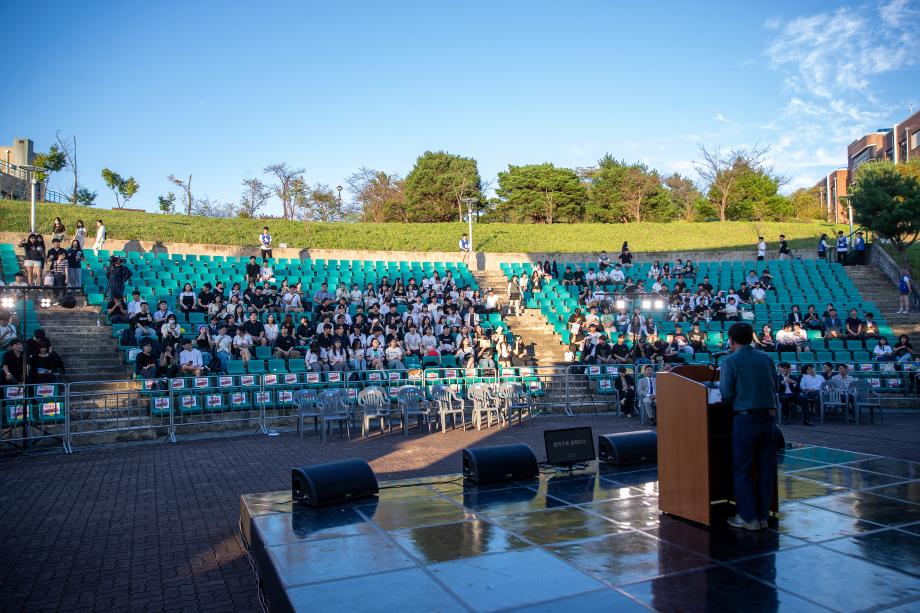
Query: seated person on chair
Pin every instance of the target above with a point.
(788, 390)
(647, 392)
(191, 361)
(854, 326)
(626, 390)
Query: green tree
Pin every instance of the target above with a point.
(886, 199)
(86, 197)
(807, 204)
(318, 203)
(254, 197)
(438, 184)
(379, 196)
(124, 189)
(754, 195)
(639, 187)
(720, 173)
(52, 162)
(286, 178)
(684, 195)
(186, 187)
(604, 202)
(540, 193)
(167, 203)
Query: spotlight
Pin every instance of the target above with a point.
(621, 304)
(646, 304)
(45, 303)
(6, 303)
(659, 304)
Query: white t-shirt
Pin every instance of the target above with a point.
(192, 356)
(761, 249)
(811, 383)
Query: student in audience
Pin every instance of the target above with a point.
(788, 390)
(809, 388)
(270, 328)
(243, 344)
(169, 362)
(394, 355)
(101, 235)
(812, 320)
(170, 332)
(843, 376)
(134, 305)
(833, 327)
(765, 340)
(142, 322)
(883, 351)
(375, 355)
(827, 371)
(356, 361)
(285, 345)
(466, 356)
(854, 326)
(785, 339)
(191, 361)
(223, 347)
(903, 350)
(145, 364)
(256, 330)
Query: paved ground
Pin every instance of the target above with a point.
(154, 526)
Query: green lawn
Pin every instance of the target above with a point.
(498, 237)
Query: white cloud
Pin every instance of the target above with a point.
(831, 63)
(722, 118)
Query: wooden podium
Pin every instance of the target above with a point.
(695, 479)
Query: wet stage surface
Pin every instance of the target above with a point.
(848, 539)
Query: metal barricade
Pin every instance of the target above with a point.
(34, 416)
(220, 402)
(118, 411)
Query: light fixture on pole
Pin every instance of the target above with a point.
(338, 188)
(34, 182)
(469, 202)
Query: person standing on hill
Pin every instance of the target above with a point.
(822, 247)
(265, 243)
(465, 248)
(761, 249)
(842, 248)
(904, 291)
(784, 248)
(101, 235)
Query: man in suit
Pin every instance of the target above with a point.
(626, 391)
(647, 392)
(747, 385)
(790, 395)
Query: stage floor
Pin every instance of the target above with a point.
(593, 540)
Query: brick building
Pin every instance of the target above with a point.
(831, 190)
(899, 143)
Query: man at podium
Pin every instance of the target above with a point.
(747, 382)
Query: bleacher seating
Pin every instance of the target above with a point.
(800, 282)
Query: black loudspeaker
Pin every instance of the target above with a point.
(325, 484)
(501, 463)
(628, 447)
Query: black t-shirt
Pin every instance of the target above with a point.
(854, 323)
(324, 341)
(304, 331)
(783, 247)
(252, 271)
(143, 360)
(143, 318)
(14, 364)
(205, 297)
(255, 328)
(626, 257)
(53, 253)
(258, 301)
(284, 343)
(697, 338)
(621, 351)
(74, 258)
(602, 350)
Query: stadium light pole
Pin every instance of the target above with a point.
(34, 182)
(338, 188)
(469, 218)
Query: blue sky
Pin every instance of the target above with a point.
(220, 89)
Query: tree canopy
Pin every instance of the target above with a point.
(123, 188)
(539, 193)
(886, 199)
(437, 186)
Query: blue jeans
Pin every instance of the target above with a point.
(754, 442)
(224, 358)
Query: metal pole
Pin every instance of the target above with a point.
(34, 196)
(171, 435)
(469, 209)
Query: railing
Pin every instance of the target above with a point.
(892, 269)
(52, 414)
(14, 171)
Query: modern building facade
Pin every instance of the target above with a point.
(831, 191)
(14, 182)
(899, 143)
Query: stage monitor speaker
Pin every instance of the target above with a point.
(500, 463)
(628, 447)
(325, 484)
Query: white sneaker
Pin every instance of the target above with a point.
(739, 522)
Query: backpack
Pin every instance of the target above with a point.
(68, 301)
(127, 338)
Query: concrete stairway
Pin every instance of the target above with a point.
(875, 286)
(89, 351)
(530, 325)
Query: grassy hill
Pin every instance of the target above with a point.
(498, 237)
